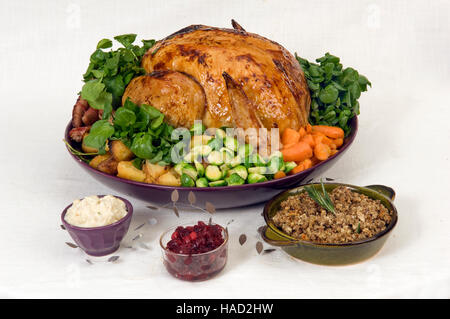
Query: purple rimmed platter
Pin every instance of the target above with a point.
(220, 197)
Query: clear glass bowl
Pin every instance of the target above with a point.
(195, 267)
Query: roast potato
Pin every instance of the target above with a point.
(98, 159)
(169, 179)
(120, 151)
(108, 166)
(126, 169)
(153, 171)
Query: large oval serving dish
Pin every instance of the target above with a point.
(220, 197)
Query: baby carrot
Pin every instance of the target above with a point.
(307, 163)
(290, 136)
(288, 145)
(302, 132)
(338, 141)
(297, 152)
(308, 128)
(297, 169)
(322, 151)
(330, 131)
(321, 138)
(308, 138)
(301, 166)
(279, 174)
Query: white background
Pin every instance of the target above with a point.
(403, 47)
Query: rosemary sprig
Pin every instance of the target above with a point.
(321, 198)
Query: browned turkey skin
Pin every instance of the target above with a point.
(224, 77)
(178, 96)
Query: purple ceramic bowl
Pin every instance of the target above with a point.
(103, 240)
(220, 197)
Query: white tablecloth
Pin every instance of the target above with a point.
(401, 46)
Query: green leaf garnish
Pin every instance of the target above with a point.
(334, 91)
(126, 39)
(104, 44)
(99, 133)
(108, 73)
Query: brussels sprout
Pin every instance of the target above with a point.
(213, 173)
(245, 150)
(197, 128)
(225, 169)
(187, 181)
(258, 170)
(256, 178)
(190, 170)
(190, 157)
(247, 161)
(220, 134)
(276, 154)
(275, 164)
(289, 166)
(231, 143)
(215, 143)
(240, 170)
(227, 154)
(228, 130)
(257, 160)
(234, 179)
(201, 182)
(202, 150)
(215, 158)
(199, 140)
(218, 183)
(235, 161)
(200, 168)
(179, 168)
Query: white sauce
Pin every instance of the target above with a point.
(93, 211)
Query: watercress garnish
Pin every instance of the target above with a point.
(109, 72)
(141, 128)
(100, 132)
(334, 91)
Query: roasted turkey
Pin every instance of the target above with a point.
(224, 77)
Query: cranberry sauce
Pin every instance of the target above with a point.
(197, 239)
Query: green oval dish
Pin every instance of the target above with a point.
(329, 254)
